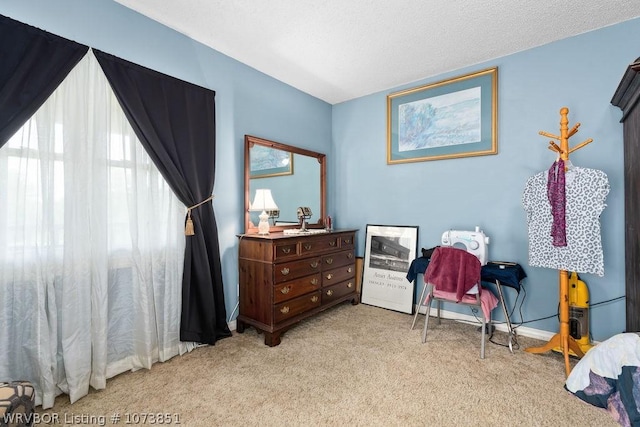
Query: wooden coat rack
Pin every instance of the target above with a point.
(563, 339)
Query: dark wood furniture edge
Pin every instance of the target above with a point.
(272, 335)
(627, 98)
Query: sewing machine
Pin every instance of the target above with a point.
(474, 242)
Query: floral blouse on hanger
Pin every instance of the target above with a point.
(585, 192)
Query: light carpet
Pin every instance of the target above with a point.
(351, 365)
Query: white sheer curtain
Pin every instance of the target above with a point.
(91, 246)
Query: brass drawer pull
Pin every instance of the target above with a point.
(286, 290)
(307, 246)
(349, 285)
(314, 281)
(332, 243)
(285, 271)
(314, 264)
(329, 261)
(286, 250)
(330, 292)
(285, 309)
(329, 276)
(349, 255)
(347, 241)
(349, 270)
(314, 298)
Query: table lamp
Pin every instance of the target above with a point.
(263, 202)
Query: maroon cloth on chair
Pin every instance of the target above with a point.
(453, 270)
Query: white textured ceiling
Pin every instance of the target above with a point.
(337, 50)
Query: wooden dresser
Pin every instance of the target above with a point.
(287, 278)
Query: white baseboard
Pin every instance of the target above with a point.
(521, 330)
(445, 314)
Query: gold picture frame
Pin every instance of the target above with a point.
(268, 162)
(448, 119)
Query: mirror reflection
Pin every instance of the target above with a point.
(301, 187)
(295, 178)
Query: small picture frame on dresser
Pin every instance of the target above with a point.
(389, 250)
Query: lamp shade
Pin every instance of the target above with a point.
(263, 201)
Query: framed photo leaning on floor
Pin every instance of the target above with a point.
(389, 250)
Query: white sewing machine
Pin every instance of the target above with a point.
(474, 242)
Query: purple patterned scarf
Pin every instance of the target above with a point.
(557, 199)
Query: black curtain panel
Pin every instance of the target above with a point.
(33, 63)
(175, 121)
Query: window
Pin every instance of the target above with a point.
(91, 245)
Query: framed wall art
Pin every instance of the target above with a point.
(268, 161)
(389, 251)
(444, 120)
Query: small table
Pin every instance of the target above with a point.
(498, 272)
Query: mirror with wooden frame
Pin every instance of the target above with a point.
(296, 178)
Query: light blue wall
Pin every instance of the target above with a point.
(247, 101)
(581, 73)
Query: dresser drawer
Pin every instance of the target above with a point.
(331, 277)
(296, 306)
(334, 292)
(347, 241)
(319, 244)
(285, 250)
(337, 260)
(294, 288)
(295, 269)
